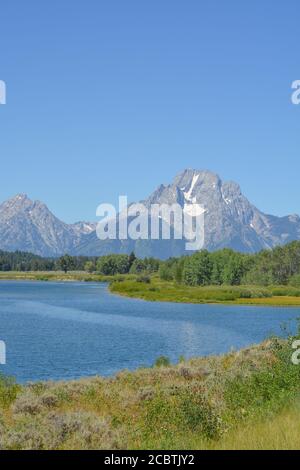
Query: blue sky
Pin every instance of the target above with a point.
(115, 97)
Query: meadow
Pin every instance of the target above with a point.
(59, 276)
(242, 400)
(155, 289)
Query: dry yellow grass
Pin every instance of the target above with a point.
(278, 433)
(282, 301)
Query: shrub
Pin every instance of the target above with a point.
(110, 265)
(165, 272)
(162, 361)
(76, 430)
(199, 415)
(144, 279)
(294, 281)
(266, 388)
(8, 390)
(27, 403)
(285, 291)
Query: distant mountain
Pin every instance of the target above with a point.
(28, 225)
(230, 221)
(84, 228)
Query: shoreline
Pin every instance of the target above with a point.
(165, 291)
(236, 411)
(254, 303)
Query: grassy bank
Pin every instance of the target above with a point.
(79, 276)
(169, 291)
(246, 399)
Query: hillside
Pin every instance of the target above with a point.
(246, 399)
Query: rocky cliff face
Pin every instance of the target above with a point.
(29, 226)
(230, 221)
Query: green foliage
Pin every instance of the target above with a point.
(178, 270)
(144, 279)
(20, 261)
(294, 280)
(146, 265)
(268, 389)
(138, 266)
(66, 263)
(173, 292)
(280, 266)
(198, 415)
(174, 411)
(214, 402)
(131, 259)
(165, 272)
(283, 291)
(277, 267)
(113, 264)
(89, 267)
(162, 361)
(197, 269)
(8, 391)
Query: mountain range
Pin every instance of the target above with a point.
(230, 221)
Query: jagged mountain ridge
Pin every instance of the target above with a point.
(230, 221)
(28, 225)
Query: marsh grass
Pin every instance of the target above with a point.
(169, 291)
(79, 276)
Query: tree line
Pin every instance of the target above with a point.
(23, 261)
(280, 266)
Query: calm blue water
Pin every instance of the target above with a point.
(70, 330)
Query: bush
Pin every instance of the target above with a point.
(81, 430)
(8, 390)
(165, 273)
(113, 264)
(270, 388)
(199, 415)
(285, 291)
(143, 278)
(294, 281)
(89, 267)
(162, 361)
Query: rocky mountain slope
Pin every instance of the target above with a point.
(230, 221)
(28, 225)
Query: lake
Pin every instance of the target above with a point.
(69, 330)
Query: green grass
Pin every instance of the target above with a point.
(155, 289)
(169, 291)
(59, 276)
(245, 399)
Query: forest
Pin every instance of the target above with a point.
(279, 266)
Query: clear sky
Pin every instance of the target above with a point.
(115, 97)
